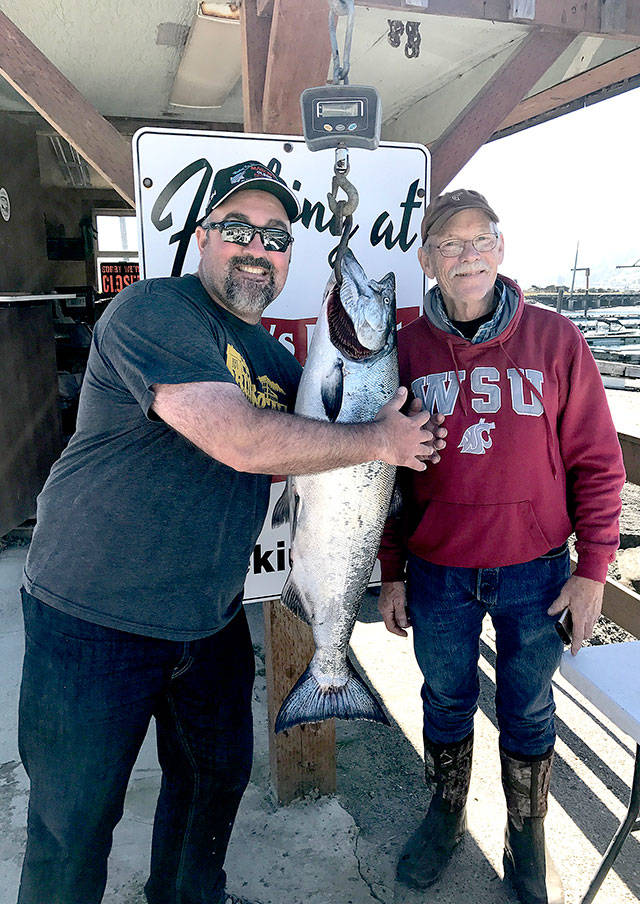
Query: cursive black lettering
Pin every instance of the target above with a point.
(183, 236)
(378, 234)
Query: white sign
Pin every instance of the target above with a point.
(174, 170)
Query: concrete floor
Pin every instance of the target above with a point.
(342, 849)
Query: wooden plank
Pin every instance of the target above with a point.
(302, 759)
(618, 19)
(299, 57)
(30, 438)
(616, 70)
(622, 606)
(630, 446)
(477, 122)
(61, 104)
(255, 48)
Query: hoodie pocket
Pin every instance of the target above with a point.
(470, 535)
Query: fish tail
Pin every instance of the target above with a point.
(308, 702)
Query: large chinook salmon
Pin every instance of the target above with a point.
(337, 517)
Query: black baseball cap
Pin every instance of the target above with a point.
(250, 175)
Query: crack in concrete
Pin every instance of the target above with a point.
(362, 876)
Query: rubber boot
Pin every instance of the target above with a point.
(429, 850)
(527, 862)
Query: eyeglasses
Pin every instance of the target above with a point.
(273, 239)
(454, 247)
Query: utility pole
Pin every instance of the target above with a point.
(573, 278)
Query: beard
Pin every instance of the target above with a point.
(242, 294)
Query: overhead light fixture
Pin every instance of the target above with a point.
(211, 63)
(221, 10)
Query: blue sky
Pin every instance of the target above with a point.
(576, 178)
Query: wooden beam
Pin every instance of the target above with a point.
(299, 57)
(256, 29)
(616, 70)
(303, 758)
(622, 606)
(480, 119)
(630, 446)
(616, 18)
(61, 104)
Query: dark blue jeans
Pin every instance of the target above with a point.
(447, 605)
(88, 694)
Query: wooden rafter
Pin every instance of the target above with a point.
(480, 119)
(616, 70)
(619, 19)
(61, 104)
(256, 29)
(298, 57)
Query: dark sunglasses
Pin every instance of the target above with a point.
(272, 239)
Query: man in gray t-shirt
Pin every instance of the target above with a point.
(133, 584)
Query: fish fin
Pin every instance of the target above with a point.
(296, 512)
(395, 506)
(290, 597)
(281, 512)
(332, 389)
(308, 702)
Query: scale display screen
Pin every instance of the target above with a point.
(349, 115)
(345, 108)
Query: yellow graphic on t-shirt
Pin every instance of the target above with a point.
(269, 393)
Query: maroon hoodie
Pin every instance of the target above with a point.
(532, 453)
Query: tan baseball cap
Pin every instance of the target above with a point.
(444, 206)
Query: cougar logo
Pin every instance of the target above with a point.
(474, 440)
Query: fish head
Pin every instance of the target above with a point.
(362, 312)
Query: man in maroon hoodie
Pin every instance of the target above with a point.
(532, 456)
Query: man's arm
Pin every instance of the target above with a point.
(217, 418)
(595, 476)
(592, 460)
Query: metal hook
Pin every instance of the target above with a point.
(335, 256)
(344, 207)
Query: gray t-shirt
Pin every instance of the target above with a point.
(138, 529)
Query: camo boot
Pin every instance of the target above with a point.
(448, 772)
(527, 863)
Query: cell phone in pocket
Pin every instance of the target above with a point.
(564, 627)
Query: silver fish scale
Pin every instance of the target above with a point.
(341, 513)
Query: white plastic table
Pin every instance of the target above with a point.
(609, 676)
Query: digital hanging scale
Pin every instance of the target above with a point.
(347, 115)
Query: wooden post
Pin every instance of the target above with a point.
(280, 58)
(303, 758)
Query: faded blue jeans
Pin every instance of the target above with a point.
(88, 694)
(447, 605)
